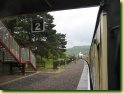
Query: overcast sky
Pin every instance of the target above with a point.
(77, 24)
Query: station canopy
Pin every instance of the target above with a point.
(19, 7)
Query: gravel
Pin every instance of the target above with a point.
(66, 80)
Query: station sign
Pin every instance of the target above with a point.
(37, 25)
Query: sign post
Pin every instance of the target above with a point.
(37, 25)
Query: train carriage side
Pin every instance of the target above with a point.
(98, 54)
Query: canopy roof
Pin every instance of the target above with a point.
(18, 7)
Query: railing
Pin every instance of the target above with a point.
(32, 59)
(22, 55)
(27, 55)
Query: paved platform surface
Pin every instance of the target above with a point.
(7, 78)
(84, 83)
(63, 80)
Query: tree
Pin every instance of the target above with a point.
(46, 44)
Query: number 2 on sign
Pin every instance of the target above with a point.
(37, 26)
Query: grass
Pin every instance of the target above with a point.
(49, 63)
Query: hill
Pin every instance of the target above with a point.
(76, 49)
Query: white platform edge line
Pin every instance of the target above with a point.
(82, 75)
(88, 79)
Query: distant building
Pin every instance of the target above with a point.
(80, 55)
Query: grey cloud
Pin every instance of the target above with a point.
(78, 25)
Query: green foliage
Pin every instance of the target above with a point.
(49, 63)
(52, 46)
(76, 49)
(41, 61)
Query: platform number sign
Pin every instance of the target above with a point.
(37, 25)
